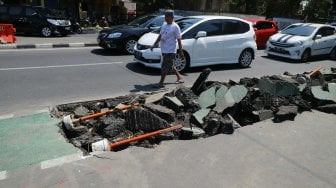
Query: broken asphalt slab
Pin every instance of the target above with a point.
(298, 153)
(214, 107)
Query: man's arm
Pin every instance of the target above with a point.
(156, 42)
(180, 50)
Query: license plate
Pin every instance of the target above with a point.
(67, 28)
(279, 49)
(137, 54)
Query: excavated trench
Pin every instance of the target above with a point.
(207, 108)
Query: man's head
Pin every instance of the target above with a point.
(169, 16)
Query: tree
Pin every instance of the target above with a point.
(317, 10)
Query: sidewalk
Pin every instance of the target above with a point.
(85, 39)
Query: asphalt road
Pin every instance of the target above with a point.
(296, 153)
(35, 79)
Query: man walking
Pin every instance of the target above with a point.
(170, 32)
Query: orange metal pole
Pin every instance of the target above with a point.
(312, 73)
(125, 107)
(144, 136)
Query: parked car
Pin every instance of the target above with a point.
(263, 29)
(302, 40)
(30, 19)
(124, 37)
(206, 40)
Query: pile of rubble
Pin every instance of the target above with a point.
(206, 109)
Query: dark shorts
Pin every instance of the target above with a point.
(167, 63)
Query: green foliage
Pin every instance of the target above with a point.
(314, 10)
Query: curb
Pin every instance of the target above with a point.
(47, 45)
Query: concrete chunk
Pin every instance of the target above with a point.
(263, 114)
(329, 108)
(188, 98)
(81, 111)
(199, 83)
(198, 116)
(233, 96)
(278, 87)
(220, 94)
(144, 120)
(321, 94)
(172, 103)
(188, 133)
(163, 112)
(207, 98)
(286, 113)
(216, 124)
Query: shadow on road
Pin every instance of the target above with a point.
(138, 68)
(105, 52)
(147, 88)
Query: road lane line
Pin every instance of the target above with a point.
(6, 116)
(3, 175)
(60, 66)
(61, 160)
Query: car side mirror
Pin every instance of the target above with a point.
(153, 27)
(35, 15)
(318, 37)
(201, 34)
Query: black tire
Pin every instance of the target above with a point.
(245, 58)
(79, 30)
(332, 55)
(181, 64)
(129, 45)
(305, 56)
(46, 31)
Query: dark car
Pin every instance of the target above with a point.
(124, 37)
(263, 29)
(30, 19)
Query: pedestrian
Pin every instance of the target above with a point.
(169, 34)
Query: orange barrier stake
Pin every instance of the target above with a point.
(123, 107)
(7, 33)
(142, 137)
(70, 123)
(312, 73)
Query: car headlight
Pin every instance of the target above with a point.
(54, 22)
(114, 35)
(298, 43)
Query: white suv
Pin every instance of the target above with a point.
(206, 40)
(302, 40)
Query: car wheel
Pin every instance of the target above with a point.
(181, 64)
(129, 45)
(79, 30)
(333, 54)
(305, 56)
(245, 58)
(46, 31)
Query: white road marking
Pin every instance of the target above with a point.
(7, 116)
(60, 66)
(79, 44)
(33, 50)
(3, 175)
(62, 160)
(44, 45)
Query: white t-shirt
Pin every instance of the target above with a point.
(169, 35)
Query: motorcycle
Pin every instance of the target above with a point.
(76, 27)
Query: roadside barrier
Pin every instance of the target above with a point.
(7, 33)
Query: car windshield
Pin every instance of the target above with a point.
(183, 23)
(142, 21)
(301, 30)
